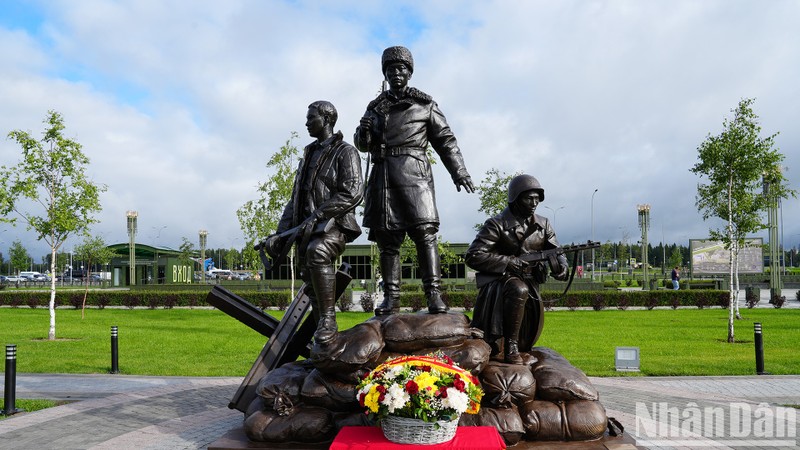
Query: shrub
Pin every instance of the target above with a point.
(411, 287)
(598, 302)
(32, 302)
(102, 301)
(751, 297)
(652, 302)
(469, 303)
(132, 301)
(674, 302)
(345, 302)
(623, 302)
(572, 302)
(416, 302)
(170, 300)
(367, 301)
(778, 300)
(76, 300)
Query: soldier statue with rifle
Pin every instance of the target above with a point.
(513, 253)
(396, 131)
(320, 217)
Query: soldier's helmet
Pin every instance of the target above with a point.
(397, 54)
(523, 183)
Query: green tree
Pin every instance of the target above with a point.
(93, 250)
(186, 252)
(52, 177)
(19, 256)
(733, 167)
(408, 252)
(493, 191)
(675, 258)
(259, 218)
(232, 257)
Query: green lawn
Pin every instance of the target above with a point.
(201, 342)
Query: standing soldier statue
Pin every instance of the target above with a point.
(396, 130)
(319, 217)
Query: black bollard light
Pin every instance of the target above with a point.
(759, 341)
(114, 350)
(10, 394)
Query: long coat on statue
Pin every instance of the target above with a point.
(501, 238)
(400, 190)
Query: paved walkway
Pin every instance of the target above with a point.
(127, 412)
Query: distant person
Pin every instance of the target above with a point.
(676, 275)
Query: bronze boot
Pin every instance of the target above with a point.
(512, 352)
(428, 257)
(513, 310)
(390, 269)
(323, 280)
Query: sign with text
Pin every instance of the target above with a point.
(711, 257)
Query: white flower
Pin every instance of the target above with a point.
(393, 372)
(457, 400)
(395, 398)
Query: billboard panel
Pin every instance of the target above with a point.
(712, 258)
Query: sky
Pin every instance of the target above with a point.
(179, 104)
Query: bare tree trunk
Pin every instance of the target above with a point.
(733, 297)
(736, 312)
(51, 335)
(86, 292)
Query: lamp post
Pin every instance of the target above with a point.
(132, 216)
(554, 211)
(772, 226)
(203, 237)
(644, 225)
(155, 262)
(592, 217)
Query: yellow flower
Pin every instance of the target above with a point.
(425, 380)
(371, 399)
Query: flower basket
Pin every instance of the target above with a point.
(403, 430)
(419, 399)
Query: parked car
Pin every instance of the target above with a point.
(13, 279)
(95, 277)
(2, 279)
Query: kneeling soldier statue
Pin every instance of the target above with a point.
(508, 306)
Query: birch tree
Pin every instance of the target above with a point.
(50, 191)
(733, 167)
(259, 218)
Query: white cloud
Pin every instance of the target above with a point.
(179, 104)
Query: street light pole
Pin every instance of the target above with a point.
(155, 263)
(203, 237)
(132, 216)
(595, 192)
(554, 211)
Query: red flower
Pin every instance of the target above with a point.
(425, 368)
(459, 384)
(361, 399)
(442, 391)
(381, 397)
(381, 388)
(411, 387)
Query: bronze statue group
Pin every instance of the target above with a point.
(531, 393)
(396, 131)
